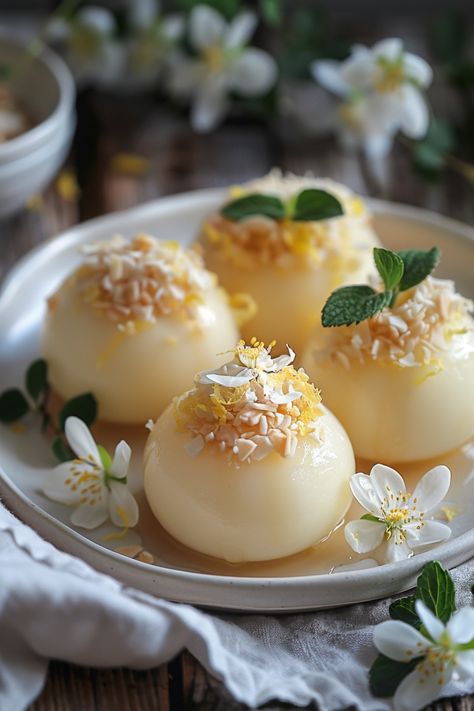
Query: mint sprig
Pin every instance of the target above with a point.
(435, 588)
(399, 271)
(310, 205)
(15, 404)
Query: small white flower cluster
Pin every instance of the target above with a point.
(220, 62)
(380, 92)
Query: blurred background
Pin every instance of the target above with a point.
(167, 99)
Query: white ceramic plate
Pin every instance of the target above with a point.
(303, 582)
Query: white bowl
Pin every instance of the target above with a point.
(45, 88)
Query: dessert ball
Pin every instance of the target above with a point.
(289, 266)
(402, 382)
(132, 324)
(249, 465)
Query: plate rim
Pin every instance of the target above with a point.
(452, 549)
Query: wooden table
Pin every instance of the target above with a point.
(111, 128)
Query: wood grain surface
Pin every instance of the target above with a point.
(177, 160)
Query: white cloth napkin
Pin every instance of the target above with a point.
(55, 606)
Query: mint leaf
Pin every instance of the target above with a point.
(353, 304)
(62, 450)
(314, 204)
(390, 266)
(83, 406)
(435, 588)
(37, 378)
(254, 204)
(404, 610)
(417, 266)
(385, 675)
(13, 405)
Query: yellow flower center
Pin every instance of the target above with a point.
(392, 75)
(213, 57)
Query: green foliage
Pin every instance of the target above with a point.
(61, 449)
(271, 11)
(353, 304)
(308, 205)
(36, 379)
(13, 405)
(417, 266)
(83, 406)
(312, 205)
(254, 204)
(227, 8)
(429, 154)
(385, 675)
(389, 266)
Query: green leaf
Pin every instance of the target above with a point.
(389, 265)
(62, 450)
(417, 266)
(37, 378)
(435, 588)
(105, 457)
(370, 517)
(448, 35)
(254, 204)
(404, 610)
(429, 154)
(353, 304)
(83, 406)
(271, 11)
(385, 675)
(313, 204)
(13, 405)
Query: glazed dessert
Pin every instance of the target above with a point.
(249, 465)
(132, 324)
(399, 374)
(288, 241)
(13, 120)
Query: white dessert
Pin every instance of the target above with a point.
(402, 382)
(248, 465)
(133, 324)
(288, 267)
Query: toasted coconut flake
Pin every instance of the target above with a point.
(268, 406)
(142, 280)
(429, 320)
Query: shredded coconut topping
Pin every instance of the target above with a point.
(260, 240)
(251, 406)
(426, 322)
(141, 280)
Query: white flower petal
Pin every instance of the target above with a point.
(56, 489)
(173, 27)
(414, 115)
(390, 48)
(397, 549)
(123, 509)
(121, 460)
(240, 30)
(80, 439)
(399, 641)
(364, 536)
(432, 488)
(465, 666)
(327, 72)
(209, 107)
(359, 71)
(97, 18)
(433, 626)
(58, 30)
(461, 626)
(378, 146)
(184, 76)
(416, 691)
(418, 70)
(386, 482)
(430, 532)
(363, 491)
(279, 398)
(253, 73)
(142, 13)
(229, 370)
(282, 361)
(90, 515)
(206, 27)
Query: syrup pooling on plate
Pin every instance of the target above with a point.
(249, 465)
(289, 266)
(131, 325)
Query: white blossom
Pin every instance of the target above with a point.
(380, 92)
(93, 483)
(446, 651)
(223, 64)
(396, 518)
